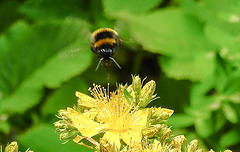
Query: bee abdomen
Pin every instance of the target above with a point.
(104, 38)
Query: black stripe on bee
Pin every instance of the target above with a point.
(103, 35)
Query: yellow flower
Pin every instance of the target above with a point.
(121, 117)
(13, 147)
(156, 146)
(113, 115)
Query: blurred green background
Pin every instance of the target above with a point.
(190, 48)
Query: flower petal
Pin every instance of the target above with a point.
(85, 100)
(140, 118)
(91, 114)
(133, 136)
(168, 111)
(113, 137)
(86, 126)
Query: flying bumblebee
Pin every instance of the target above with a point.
(104, 43)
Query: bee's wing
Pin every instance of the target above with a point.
(73, 51)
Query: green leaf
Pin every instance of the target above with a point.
(10, 8)
(36, 56)
(44, 138)
(221, 19)
(4, 125)
(181, 120)
(65, 96)
(128, 96)
(136, 6)
(223, 73)
(232, 54)
(204, 96)
(230, 138)
(223, 14)
(218, 36)
(203, 125)
(232, 86)
(189, 55)
(196, 10)
(228, 43)
(171, 33)
(230, 112)
(194, 67)
(53, 9)
(218, 120)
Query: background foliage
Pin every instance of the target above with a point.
(190, 48)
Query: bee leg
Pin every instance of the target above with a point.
(115, 62)
(98, 64)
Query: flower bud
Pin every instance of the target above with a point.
(60, 124)
(193, 146)
(151, 131)
(178, 141)
(136, 83)
(157, 115)
(166, 113)
(147, 93)
(12, 147)
(68, 134)
(165, 134)
(63, 114)
(162, 113)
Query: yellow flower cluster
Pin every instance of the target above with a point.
(119, 121)
(13, 147)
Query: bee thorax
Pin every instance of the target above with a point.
(106, 53)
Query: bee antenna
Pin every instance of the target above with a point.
(98, 64)
(115, 62)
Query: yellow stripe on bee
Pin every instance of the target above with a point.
(110, 41)
(103, 30)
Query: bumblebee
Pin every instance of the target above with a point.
(104, 43)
